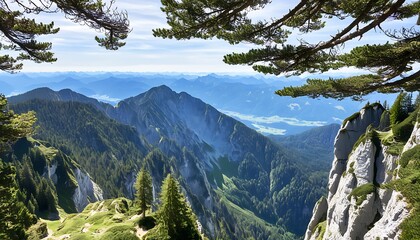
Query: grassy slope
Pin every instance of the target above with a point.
(409, 173)
(109, 219)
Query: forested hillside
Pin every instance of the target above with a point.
(238, 182)
(108, 150)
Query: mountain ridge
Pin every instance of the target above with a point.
(224, 164)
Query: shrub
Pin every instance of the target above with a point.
(402, 131)
(361, 192)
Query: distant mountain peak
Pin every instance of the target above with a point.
(64, 95)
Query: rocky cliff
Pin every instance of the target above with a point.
(41, 166)
(360, 203)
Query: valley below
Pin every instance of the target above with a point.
(77, 171)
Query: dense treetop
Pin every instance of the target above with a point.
(392, 64)
(13, 126)
(19, 32)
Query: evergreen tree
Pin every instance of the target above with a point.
(19, 33)
(13, 126)
(175, 218)
(15, 218)
(397, 113)
(417, 102)
(144, 191)
(391, 63)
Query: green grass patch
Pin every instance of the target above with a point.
(49, 152)
(320, 229)
(361, 192)
(403, 130)
(100, 220)
(244, 217)
(351, 118)
(72, 223)
(411, 156)
(121, 232)
(394, 146)
(81, 236)
(228, 183)
(386, 137)
(409, 186)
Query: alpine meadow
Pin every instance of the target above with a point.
(209, 119)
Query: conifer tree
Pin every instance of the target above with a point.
(397, 113)
(18, 32)
(15, 218)
(417, 102)
(13, 126)
(394, 63)
(175, 218)
(144, 191)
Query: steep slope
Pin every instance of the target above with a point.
(238, 182)
(317, 144)
(108, 150)
(371, 183)
(262, 177)
(49, 179)
(108, 219)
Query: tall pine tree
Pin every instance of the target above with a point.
(176, 221)
(144, 191)
(14, 216)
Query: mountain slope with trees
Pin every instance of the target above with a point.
(97, 142)
(237, 181)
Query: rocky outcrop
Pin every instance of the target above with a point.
(347, 136)
(357, 207)
(319, 215)
(414, 138)
(86, 192)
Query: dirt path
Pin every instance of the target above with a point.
(140, 232)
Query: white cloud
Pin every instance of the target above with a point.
(274, 119)
(339, 107)
(13, 94)
(105, 98)
(74, 44)
(269, 130)
(337, 119)
(294, 106)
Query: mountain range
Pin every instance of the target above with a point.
(240, 183)
(250, 99)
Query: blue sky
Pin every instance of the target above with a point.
(76, 49)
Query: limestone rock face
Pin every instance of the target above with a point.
(86, 192)
(414, 138)
(347, 137)
(319, 214)
(356, 208)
